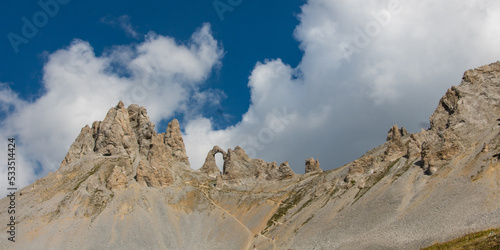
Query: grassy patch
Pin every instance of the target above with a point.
(289, 203)
(304, 205)
(305, 222)
(488, 239)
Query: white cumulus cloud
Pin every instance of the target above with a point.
(366, 66)
(80, 86)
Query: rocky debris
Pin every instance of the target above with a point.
(118, 179)
(209, 166)
(431, 170)
(83, 145)
(312, 166)
(486, 148)
(150, 176)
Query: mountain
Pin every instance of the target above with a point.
(124, 186)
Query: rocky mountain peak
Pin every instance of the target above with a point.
(129, 132)
(464, 114)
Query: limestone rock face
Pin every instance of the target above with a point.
(83, 145)
(115, 135)
(271, 171)
(150, 176)
(209, 166)
(360, 170)
(395, 148)
(129, 132)
(175, 143)
(464, 114)
(414, 146)
(155, 171)
(396, 134)
(142, 127)
(238, 165)
(285, 171)
(118, 179)
(312, 166)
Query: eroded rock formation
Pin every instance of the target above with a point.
(238, 165)
(209, 166)
(129, 132)
(312, 166)
(395, 148)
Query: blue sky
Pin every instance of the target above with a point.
(286, 80)
(251, 31)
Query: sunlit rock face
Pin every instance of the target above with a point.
(124, 186)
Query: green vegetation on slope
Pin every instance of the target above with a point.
(488, 239)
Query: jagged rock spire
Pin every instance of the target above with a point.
(395, 148)
(312, 166)
(174, 141)
(129, 132)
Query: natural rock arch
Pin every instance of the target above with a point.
(210, 166)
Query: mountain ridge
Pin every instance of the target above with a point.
(119, 172)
